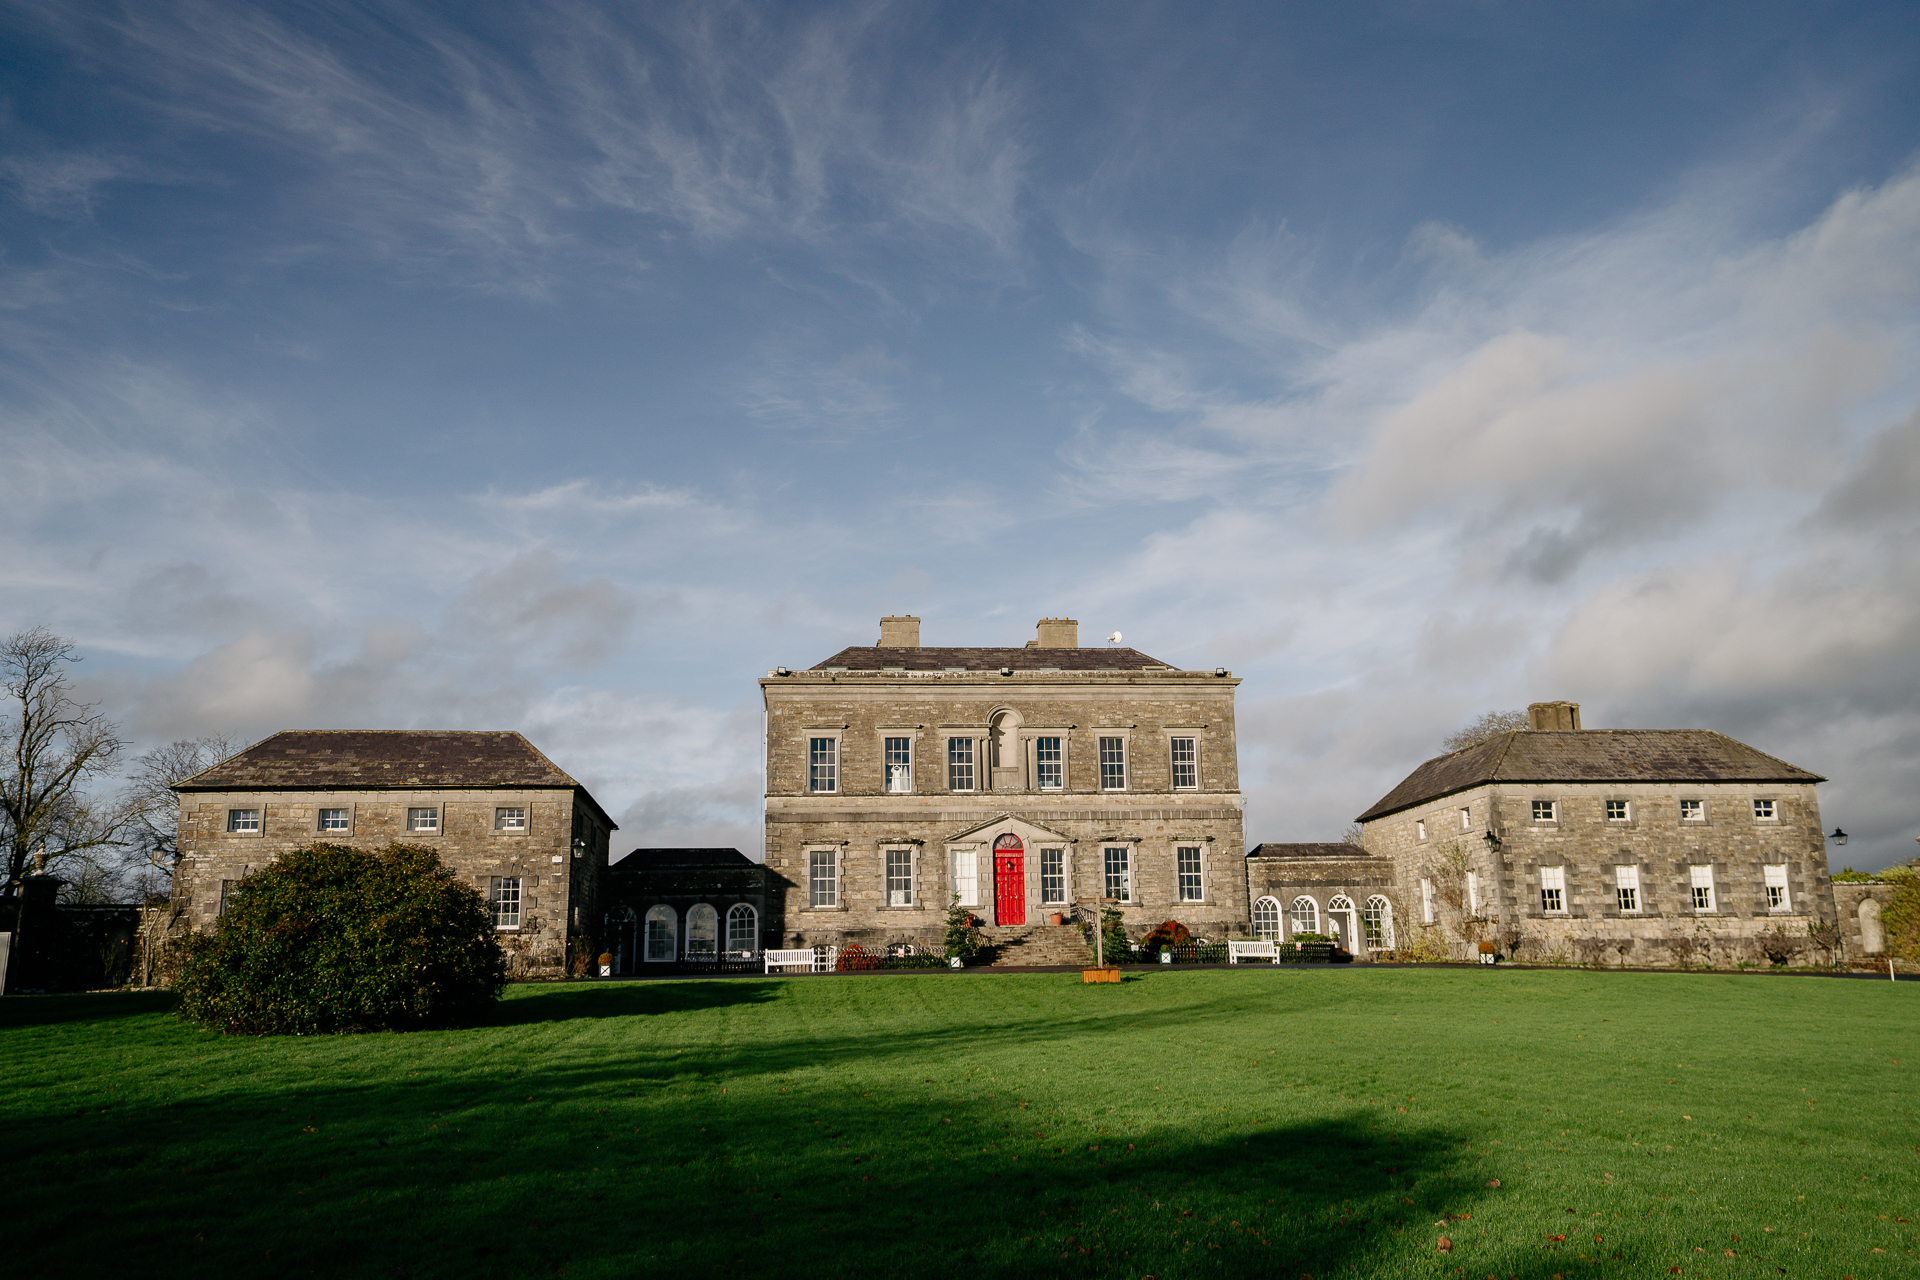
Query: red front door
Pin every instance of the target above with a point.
(1009, 881)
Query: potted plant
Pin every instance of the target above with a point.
(963, 935)
(1056, 918)
(1107, 937)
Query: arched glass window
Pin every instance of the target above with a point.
(1377, 916)
(743, 930)
(662, 925)
(1266, 920)
(1340, 919)
(1305, 916)
(703, 930)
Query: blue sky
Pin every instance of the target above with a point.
(565, 367)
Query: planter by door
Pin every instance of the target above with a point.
(1009, 880)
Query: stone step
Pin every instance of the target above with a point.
(1036, 946)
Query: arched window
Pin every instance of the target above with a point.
(1340, 919)
(743, 930)
(1266, 920)
(1377, 916)
(703, 930)
(662, 925)
(1305, 916)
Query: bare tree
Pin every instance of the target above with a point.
(54, 745)
(1354, 835)
(153, 810)
(1490, 725)
(1446, 870)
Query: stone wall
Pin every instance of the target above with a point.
(1357, 877)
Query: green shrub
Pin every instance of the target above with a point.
(331, 939)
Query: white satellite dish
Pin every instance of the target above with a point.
(1114, 638)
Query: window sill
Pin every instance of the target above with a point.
(822, 910)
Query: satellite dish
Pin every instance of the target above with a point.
(1114, 638)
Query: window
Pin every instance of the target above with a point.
(1473, 893)
(1626, 889)
(1420, 829)
(1763, 811)
(703, 932)
(1466, 819)
(662, 931)
(1119, 875)
(1426, 902)
(1702, 887)
(1553, 890)
(966, 876)
(1187, 860)
(823, 764)
(1616, 811)
(226, 889)
(1543, 811)
(743, 930)
(959, 764)
(1693, 811)
(899, 877)
(1186, 764)
(336, 820)
(1113, 764)
(1266, 920)
(423, 819)
(510, 819)
(1776, 881)
(244, 820)
(1376, 918)
(1304, 916)
(899, 753)
(1046, 760)
(823, 877)
(1053, 875)
(504, 898)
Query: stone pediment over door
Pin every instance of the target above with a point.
(1030, 833)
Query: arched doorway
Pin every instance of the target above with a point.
(1009, 880)
(1340, 921)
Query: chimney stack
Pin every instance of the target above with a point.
(1548, 717)
(900, 633)
(1059, 633)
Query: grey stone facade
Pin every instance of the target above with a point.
(941, 758)
(502, 815)
(1337, 889)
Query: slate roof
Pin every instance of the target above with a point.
(1340, 850)
(654, 859)
(1590, 755)
(875, 658)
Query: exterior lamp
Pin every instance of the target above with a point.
(1839, 837)
(579, 847)
(1493, 841)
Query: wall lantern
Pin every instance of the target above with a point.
(1493, 841)
(1839, 837)
(579, 847)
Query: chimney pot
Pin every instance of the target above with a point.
(1549, 717)
(1058, 633)
(902, 632)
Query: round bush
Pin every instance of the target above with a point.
(332, 939)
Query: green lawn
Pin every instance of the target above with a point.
(1199, 1123)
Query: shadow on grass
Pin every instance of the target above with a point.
(99, 1006)
(626, 1000)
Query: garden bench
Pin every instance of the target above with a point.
(817, 960)
(1267, 951)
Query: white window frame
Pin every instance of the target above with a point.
(1473, 894)
(1553, 891)
(1377, 910)
(971, 764)
(752, 931)
(823, 769)
(963, 873)
(1693, 811)
(1059, 762)
(1466, 818)
(1192, 762)
(668, 954)
(702, 916)
(1269, 922)
(320, 813)
(246, 822)
(823, 892)
(1773, 879)
(1295, 911)
(506, 899)
(1107, 877)
(1058, 855)
(424, 819)
(1100, 741)
(896, 776)
(503, 816)
(226, 890)
(1199, 874)
(1546, 810)
(1426, 901)
(1420, 829)
(898, 855)
(1625, 814)
(1626, 890)
(1766, 809)
(1701, 892)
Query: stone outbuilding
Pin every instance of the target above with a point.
(699, 908)
(1338, 890)
(505, 818)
